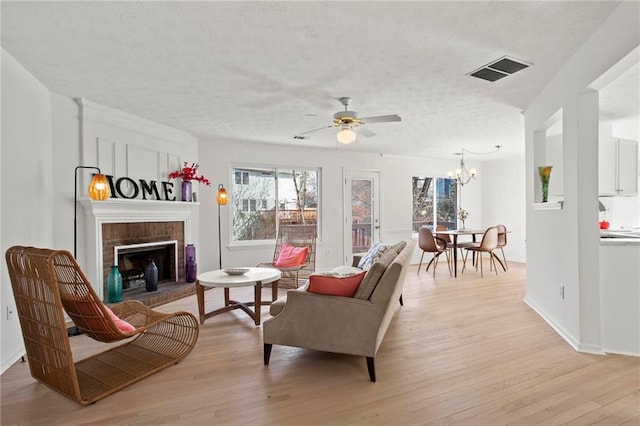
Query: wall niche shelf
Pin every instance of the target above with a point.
(548, 206)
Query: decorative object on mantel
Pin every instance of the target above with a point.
(223, 199)
(544, 172)
(462, 215)
(191, 268)
(188, 173)
(151, 276)
(114, 285)
(98, 191)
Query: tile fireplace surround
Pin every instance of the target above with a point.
(120, 222)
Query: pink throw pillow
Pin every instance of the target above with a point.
(123, 325)
(335, 284)
(291, 256)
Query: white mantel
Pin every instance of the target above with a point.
(113, 210)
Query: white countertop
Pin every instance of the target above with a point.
(620, 241)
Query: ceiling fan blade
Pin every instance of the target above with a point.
(365, 132)
(381, 118)
(315, 130)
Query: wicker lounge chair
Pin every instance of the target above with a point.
(46, 281)
(299, 236)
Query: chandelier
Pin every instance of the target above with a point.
(463, 175)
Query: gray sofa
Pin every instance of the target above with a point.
(349, 325)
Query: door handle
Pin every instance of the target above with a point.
(377, 227)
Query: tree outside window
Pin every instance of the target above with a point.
(265, 198)
(434, 198)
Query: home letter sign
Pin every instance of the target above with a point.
(128, 188)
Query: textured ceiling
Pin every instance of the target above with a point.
(266, 71)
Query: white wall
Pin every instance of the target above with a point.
(218, 157)
(562, 245)
(27, 190)
(503, 201)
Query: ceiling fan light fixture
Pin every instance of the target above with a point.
(346, 136)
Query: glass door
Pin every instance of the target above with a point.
(362, 211)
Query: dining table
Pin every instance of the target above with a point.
(454, 234)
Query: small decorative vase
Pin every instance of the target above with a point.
(151, 276)
(191, 268)
(544, 172)
(463, 227)
(186, 190)
(114, 285)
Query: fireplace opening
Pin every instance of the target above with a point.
(132, 261)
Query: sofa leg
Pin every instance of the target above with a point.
(267, 353)
(401, 301)
(371, 368)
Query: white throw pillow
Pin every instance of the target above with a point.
(369, 258)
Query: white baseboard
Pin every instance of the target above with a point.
(10, 360)
(568, 337)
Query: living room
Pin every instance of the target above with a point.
(42, 143)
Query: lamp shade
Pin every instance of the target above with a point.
(99, 188)
(222, 197)
(346, 136)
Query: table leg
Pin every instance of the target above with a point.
(226, 296)
(274, 291)
(455, 255)
(200, 295)
(257, 302)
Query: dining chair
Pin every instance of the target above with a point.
(445, 237)
(502, 241)
(488, 244)
(428, 243)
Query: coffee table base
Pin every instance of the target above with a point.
(230, 305)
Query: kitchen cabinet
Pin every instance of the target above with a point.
(620, 296)
(618, 163)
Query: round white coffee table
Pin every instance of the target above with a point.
(255, 277)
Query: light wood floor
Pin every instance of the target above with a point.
(461, 351)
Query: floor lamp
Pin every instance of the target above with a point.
(223, 199)
(98, 191)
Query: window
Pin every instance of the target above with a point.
(241, 177)
(434, 198)
(274, 196)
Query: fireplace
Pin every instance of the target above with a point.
(129, 232)
(132, 261)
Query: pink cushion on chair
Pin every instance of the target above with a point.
(87, 308)
(291, 256)
(123, 325)
(335, 284)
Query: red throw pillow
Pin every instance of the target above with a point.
(291, 256)
(335, 284)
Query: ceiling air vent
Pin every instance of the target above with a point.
(499, 68)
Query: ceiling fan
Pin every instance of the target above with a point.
(348, 121)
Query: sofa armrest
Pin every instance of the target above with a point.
(326, 323)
